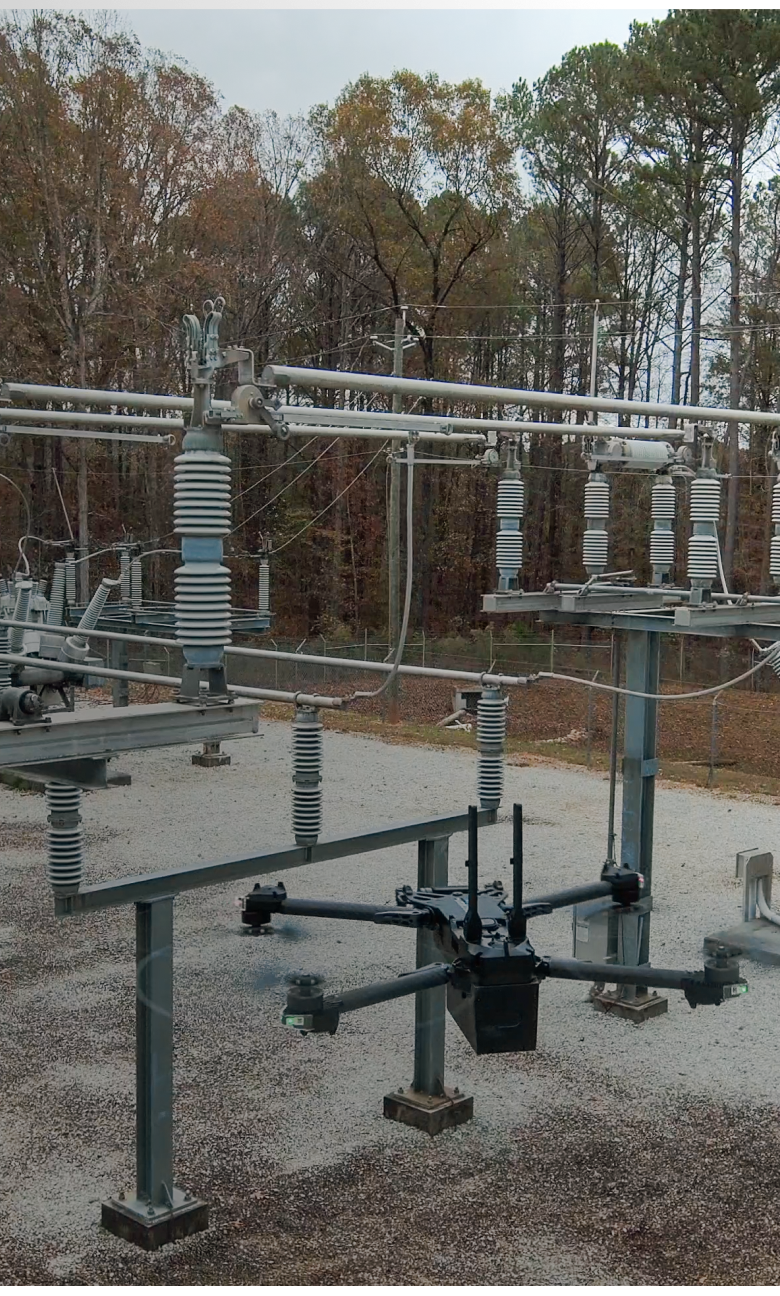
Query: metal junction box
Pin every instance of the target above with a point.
(595, 931)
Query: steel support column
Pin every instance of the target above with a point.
(158, 1213)
(429, 1105)
(640, 767)
(430, 1006)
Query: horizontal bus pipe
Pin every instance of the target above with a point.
(87, 434)
(486, 678)
(167, 681)
(91, 396)
(352, 418)
(363, 418)
(510, 426)
(149, 886)
(275, 375)
(91, 420)
(366, 434)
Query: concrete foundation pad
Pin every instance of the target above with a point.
(208, 760)
(637, 1010)
(119, 779)
(428, 1113)
(132, 1221)
(758, 940)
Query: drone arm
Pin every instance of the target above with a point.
(259, 906)
(309, 1010)
(718, 980)
(435, 974)
(623, 887)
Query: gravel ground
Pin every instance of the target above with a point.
(614, 1154)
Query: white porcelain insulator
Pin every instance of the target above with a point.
(511, 499)
(202, 600)
(264, 587)
(65, 840)
(663, 501)
(307, 776)
(201, 494)
(776, 503)
(597, 500)
(703, 557)
(661, 548)
(491, 736)
(705, 500)
(595, 548)
(774, 558)
(509, 549)
(136, 583)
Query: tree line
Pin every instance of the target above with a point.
(640, 177)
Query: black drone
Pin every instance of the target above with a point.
(491, 970)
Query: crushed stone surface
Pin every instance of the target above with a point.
(614, 1154)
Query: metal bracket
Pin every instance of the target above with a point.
(85, 773)
(752, 865)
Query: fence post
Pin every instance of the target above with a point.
(590, 717)
(713, 741)
(552, 648)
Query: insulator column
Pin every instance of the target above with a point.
(703, 542)
(307, 775)
(21, 608)
(264, 587)
(491, 737)
(70, 579)
(57, 601)
(76, 646)
(774, 553)
(136, 583)
(509, 541)
(5, 668)
(202, 518)
(124, 575)
(662, 508)
(65, 843)
(595, 542)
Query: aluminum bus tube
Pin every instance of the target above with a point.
(426, 672)
(278, 375)
(353, 418)
(90, 396)
(168, 681)
(568, 429)
(103, 420)
(372, 434)
(88, 434)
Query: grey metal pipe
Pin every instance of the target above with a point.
(568, 429)
(168, 681)
(79, 416)
(357, 433)
(310, 659)
(87, 434)
(277, 375)
(363, 418)
(91, 396)
(358, 418)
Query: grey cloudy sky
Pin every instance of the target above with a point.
(290, 59)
